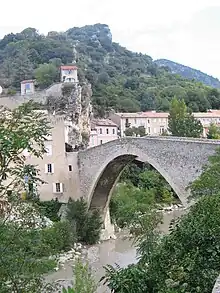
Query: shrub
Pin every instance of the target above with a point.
(88, 223)
(49, 209)
(84, 281)
(60, 237)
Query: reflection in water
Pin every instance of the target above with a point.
(118, 251)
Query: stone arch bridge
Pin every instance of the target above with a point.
(179, 161)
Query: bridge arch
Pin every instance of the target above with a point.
(178, 160)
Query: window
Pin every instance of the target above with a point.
(113, 131)
(100, 130)
(70, 168)
(100, 141)
(4, 176)
(49, 150)
(107, 131)
(148, 121)
(149, 130)
(135, 121)
(57, 187)
(49, 168)
(161, 130)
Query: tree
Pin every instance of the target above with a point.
(87, 223)
(21, 265)
(23, 68)
(46, 74)
(213, 132)
(208, 182)
(181, 123)
(135, 131)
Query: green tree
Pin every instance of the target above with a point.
(46, 74)
(208, 182)
(181, 123)
(213, 132)
(23, 68)
(135, 131)
(88, 223)
(21, 267)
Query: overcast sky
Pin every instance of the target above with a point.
(185, 31)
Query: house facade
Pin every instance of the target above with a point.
(27, 87)
(56, 166)
(156, 123)
(153, 122)
(102, 131)
(68, 73)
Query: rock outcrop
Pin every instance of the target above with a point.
(74, 103)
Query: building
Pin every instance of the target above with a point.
(212, 116)
(68, 73)
(56, 166)
(27, 87)
(155, 123)
(102, 131)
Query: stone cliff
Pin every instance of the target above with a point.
(74, 103)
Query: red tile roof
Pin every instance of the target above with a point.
(28, 81)
(68, 67)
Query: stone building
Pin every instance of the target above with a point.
(56, 167)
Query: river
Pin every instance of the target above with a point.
(120, 251)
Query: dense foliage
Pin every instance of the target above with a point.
(121, 80)
(213, 132)
(87, 223)
(21, 262)
(208, 182)
(188, 72)
(181, 122)
(140, 187)
(186, 260)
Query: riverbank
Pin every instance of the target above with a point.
(119, 250)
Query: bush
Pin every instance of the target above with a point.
(60, 237)
(88, 223)
(84, 282)
(49, 209)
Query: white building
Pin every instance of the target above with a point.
(102, 131)
(156, 123)
(68, 73)
(27, 87)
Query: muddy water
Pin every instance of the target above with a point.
(120, 251)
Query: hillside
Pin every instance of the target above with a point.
(188, 72)
(121, 80)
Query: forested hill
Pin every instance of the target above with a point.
(188, 72)
(121, 79)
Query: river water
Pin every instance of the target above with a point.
(120, 251)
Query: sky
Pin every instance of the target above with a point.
(184, 31)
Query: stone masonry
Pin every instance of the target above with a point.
(179, 161)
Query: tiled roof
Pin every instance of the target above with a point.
(68, 67)
(102, 122)
(150, 114)
(154, 114)
(27, 81)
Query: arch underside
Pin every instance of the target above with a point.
(108, 179)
